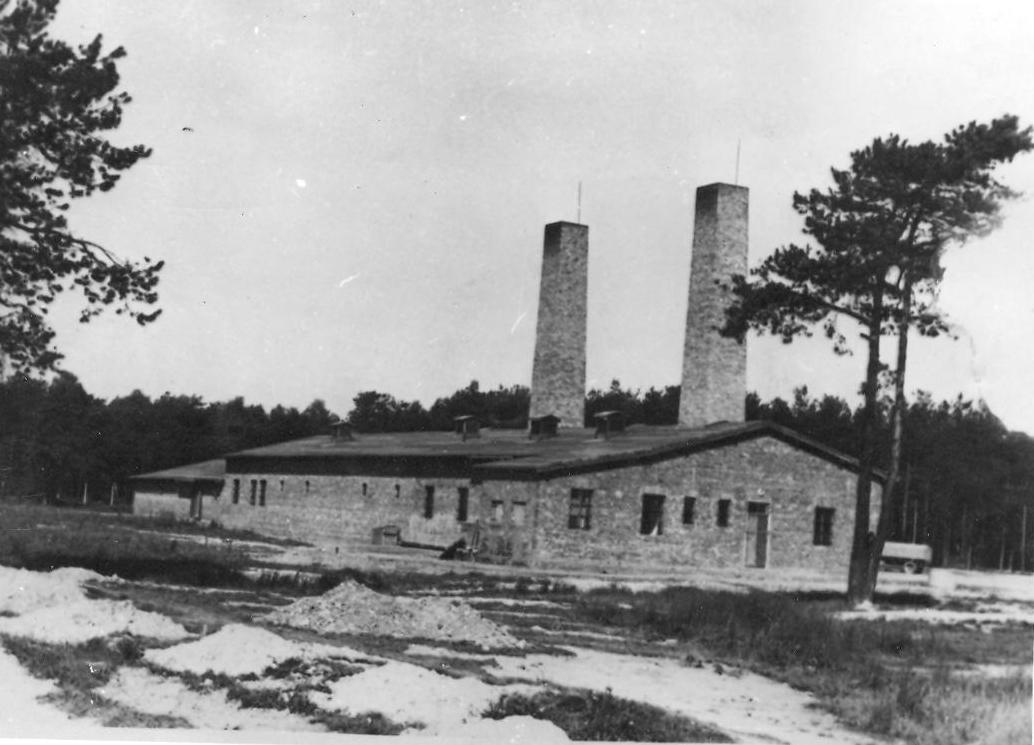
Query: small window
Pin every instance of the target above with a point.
(688, 509)
(428, 502)
(518, 513)
(463, 496)
(652, 520)
(579, 514)
(262, 493)
(398, 491)
(364, 489)
(723, 513)
(254, 492)
(306, 487)
(498, 508)
(281, 484)
(236, 496)
(823, 535)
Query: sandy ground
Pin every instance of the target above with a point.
(54, 607)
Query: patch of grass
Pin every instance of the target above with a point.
(590, 715)
(370, 723)
(859, 669)
(77, 669)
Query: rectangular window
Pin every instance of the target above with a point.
(652, 520)
(254, 492)
(236, 497)
(262, 493)
(463, 496)
(688, 508)
(579, 514)
(723, 513)
(428, 502)
(365, 492)
(518, 513)
(823, 535)
(497, 510)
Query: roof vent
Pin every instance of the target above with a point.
(543, 427)
(609, 423)
(467, 426)
(340, 431)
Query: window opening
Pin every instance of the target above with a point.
(254, 491)
(262, 493)
(463, 496)
(823, 534)
(579, 514)
(428, 502)
(518, 513)
(723, 513)
(652, 521)
(688, 510)
(236, 497)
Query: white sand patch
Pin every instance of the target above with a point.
(409, 693)
(22, 590)
(149, 693)
(353, 608)
(512, 730)
(418, 650)
(744, 704)
(241, 650)
(530, 602)
(82, 620)
(22, 714)
(985, 614)
(584, 584)
(576, 632)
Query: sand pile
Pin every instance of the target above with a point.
(409, 693)
(51, 607)
(239, 650)
(22, 590)
(152, 694)
(83, 620)
(353, 608)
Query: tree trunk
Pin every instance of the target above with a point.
(885, 524)
(859, 586)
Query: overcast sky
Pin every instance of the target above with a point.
(351, 196)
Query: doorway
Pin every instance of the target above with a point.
(757, 534)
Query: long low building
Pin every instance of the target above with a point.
(726, 495)
(714, 491)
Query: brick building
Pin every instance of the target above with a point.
(713, 491)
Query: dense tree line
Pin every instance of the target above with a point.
(57, 441)
(967, 487)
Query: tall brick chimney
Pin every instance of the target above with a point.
(714, 368)
(558, 375)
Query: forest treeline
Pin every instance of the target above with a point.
(967, 490)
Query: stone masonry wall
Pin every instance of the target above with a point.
(334, 511)
(791, 482)
(558, 373)
(714, 372)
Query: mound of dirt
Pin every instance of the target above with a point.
(83, 620)
(238, 650)
(352, 608)
(22, 590)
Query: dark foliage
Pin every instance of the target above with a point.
(56, 103)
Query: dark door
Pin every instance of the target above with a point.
(757, 534)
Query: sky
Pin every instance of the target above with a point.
(351, 196)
